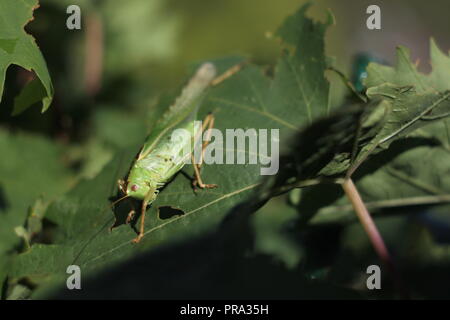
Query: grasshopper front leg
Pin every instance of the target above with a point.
(130, 215)
(123, 188)
(147, 200)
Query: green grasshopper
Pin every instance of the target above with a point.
(162, 156)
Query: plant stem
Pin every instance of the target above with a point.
(372, 231)
(367, 221)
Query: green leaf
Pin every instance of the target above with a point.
(409, 99)
(412, 173)
(19, 48)
(439, 131)
(216, 260)
(405, 72)
(404, 103)
(341, 142)
(405, 111)
(419, 173)
(299, 76)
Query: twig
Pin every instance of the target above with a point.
(372, 231)
(366, 220)
(390, 203)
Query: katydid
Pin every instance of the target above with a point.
(155, 164)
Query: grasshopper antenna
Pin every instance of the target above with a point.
(118, 200)
(101, 229)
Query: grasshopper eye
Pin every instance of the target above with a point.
(134, 187)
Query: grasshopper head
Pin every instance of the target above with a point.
(137, 189)
(138, 184)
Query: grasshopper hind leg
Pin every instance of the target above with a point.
(228, 73)
(208, 123)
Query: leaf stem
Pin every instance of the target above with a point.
(372, 231)
(388, 203)
(302, 184)
(348, 83)
(366, 221)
